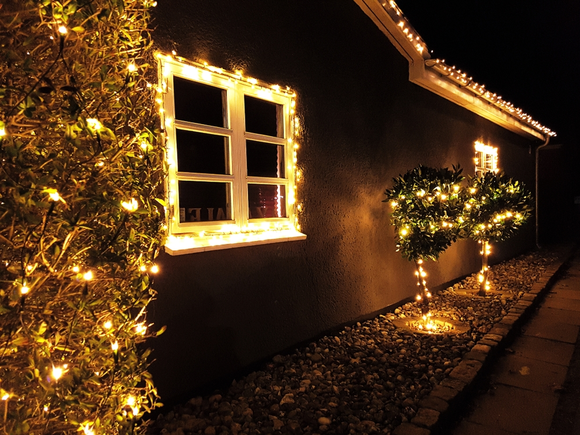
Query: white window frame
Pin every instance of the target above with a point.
(190, 237)
(486, 159)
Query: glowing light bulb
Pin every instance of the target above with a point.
(87, 276)
(130, 206)
(154, 269)
(108, 324)
(57, 373)
(54, 196)
(87, 428)
(131, 67)
(94, 124)
(24, 290)
(62, 30)
(115, 346)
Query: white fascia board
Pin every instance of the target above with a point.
(433, 81)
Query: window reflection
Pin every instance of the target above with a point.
(201, 201)
(267, 201)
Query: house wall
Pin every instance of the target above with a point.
(364, 124)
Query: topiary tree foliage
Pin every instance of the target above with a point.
(79, 225)
(426, 206)
(495, 208)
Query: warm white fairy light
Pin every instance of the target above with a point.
(94, 124)
(88, 275)
(130, 205)
(87, 428)
(58, 372)
(55, 196)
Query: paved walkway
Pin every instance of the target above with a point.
(535, 386)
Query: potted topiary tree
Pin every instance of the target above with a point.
(426, 206)
(495, 207)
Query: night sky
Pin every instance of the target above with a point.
(524, 50)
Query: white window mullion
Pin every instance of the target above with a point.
(240, 199)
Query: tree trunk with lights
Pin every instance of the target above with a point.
(424, 294)
(483, 275)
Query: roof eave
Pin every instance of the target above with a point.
(427, 76)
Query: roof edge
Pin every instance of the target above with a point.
(443, 80)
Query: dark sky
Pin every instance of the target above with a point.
(524, 50)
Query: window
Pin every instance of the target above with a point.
(231, 154)
(485, 159)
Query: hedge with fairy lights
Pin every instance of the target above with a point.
(495, 208)
(425, 210)
(79, 223)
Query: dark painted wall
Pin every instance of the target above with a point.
(364, 124)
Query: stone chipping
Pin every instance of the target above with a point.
(368, 378)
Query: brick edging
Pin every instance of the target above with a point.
(446, 399)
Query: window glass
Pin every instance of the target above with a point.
(264, 159)
(267, 201)
(202, 152)
(196, 102)
(201, 201)
(262, 117)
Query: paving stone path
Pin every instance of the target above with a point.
(533, 387)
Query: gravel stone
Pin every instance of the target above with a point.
(370, 377)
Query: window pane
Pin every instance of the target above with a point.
(196, 102)
(262, 117)
(267, 201)
(264, 159)
(201, 152)
(201, 201)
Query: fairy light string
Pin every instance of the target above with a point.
(454, 76)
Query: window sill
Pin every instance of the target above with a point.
(181, 245)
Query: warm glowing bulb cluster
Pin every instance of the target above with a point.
(406, 28)
(461, 79)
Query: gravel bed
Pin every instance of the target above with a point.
(368, 378)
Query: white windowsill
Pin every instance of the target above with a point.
(180, 245)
